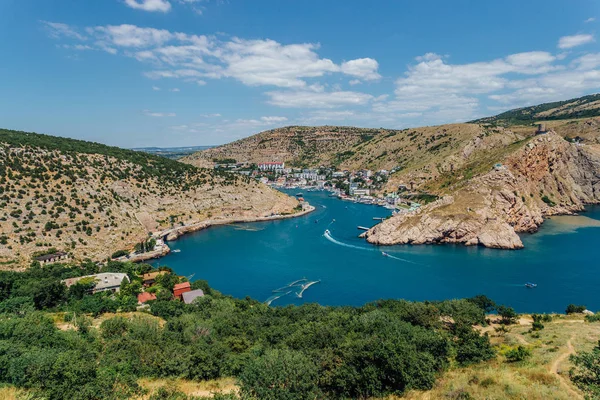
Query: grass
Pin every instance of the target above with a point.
(198, 389)
(542, 376)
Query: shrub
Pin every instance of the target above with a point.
(518, 353)
(573, 309)
(119, 253)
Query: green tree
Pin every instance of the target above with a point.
(280, 375)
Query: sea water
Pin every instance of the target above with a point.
(254, 259)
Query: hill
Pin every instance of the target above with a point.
(582, 107)
(300, 146)
(89, 199)
(493, 179)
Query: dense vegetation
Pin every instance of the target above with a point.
(558, 110)
(300, 352)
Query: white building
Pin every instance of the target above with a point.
(108, 281)
(277, 167)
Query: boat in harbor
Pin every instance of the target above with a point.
(530, 285)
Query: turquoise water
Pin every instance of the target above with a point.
(255, 259)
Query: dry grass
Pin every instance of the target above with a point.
(532, 379)
(200, 389)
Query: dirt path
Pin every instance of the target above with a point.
(554, 369)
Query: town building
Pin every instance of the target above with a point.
(145, 296)
(150, 278)
(105, 282)
(189, 297)
(53, 258)
(277, 167)
(180, 289)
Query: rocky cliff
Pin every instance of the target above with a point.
(546, 175)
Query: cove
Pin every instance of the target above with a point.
(253, 259)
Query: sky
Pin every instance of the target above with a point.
(167, 73)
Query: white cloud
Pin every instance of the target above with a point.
(155, 88)
(158, 114)
(267, 62)
(310, 99)
(592, 19)
(131, 35)
(272, 120)
(59, 30)
(568, 42)
(210, 115)
(355, 82)
(149, 5)
(175, 90)
(363, 68)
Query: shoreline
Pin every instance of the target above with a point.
(172, 234)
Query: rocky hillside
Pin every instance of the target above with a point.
(296, 145)
(582, 107)
(90, 200)
(545, 176)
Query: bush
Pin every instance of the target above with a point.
(573, 309)
(593, 318)
(518, 353)
(586, 372)
(280, 375)
(119, 253)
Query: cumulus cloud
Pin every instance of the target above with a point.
(363, 68)
(568, 42)
(149, 5)
(592, 19)
(256, 62)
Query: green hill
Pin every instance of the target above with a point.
(582, 107)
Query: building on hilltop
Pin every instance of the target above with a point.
(541, 129)
(105, 282)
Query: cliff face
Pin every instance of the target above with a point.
(545, 176)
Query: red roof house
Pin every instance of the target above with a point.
(145, 296)
(180, 289)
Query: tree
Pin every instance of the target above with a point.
(280, 375)
(573, 309)
(586, 371)
(508, 314)
(485, 303)
(49, 294)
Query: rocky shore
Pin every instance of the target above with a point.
(547, 176)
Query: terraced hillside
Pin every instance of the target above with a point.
(90, 200)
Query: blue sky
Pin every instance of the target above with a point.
(198, 72)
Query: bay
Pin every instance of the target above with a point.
(254, 259)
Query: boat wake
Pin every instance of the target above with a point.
(401, 259)
(328, 236)
(275, 297)
(297, 287)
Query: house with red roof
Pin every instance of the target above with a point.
(180, 289)
(145, 296)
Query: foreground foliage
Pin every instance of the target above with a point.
(299, 352)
